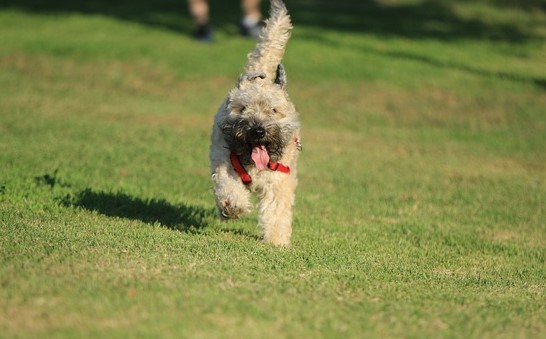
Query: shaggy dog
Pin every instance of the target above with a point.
(255, 137)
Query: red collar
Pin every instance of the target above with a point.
(245, 177)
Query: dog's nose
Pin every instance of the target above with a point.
(258, 132)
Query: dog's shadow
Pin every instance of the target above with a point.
(152, 211)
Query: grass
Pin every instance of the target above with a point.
(420, 210)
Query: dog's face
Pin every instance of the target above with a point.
(260, 123)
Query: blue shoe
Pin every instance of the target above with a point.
(253, 31)
(203, 33)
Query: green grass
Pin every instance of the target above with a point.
(421, 205)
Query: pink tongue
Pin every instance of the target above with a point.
(260, 157)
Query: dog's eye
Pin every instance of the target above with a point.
(242, 109)
(278, 112)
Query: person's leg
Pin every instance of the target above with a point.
(251, 9)
(199, 9)
(250, 24)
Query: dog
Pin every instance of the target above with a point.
(255, 137)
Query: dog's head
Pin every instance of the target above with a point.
(261, 120)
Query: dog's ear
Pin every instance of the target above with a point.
(250, 76)
(280, 78)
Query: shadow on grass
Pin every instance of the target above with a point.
(177, 217)
(182, 217)
(427, 19)
(513, 77)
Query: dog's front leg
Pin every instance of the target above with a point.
(276, 202)
(232, 197)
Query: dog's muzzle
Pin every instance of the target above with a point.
(257, 132)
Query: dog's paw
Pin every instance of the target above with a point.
(228, 210)
(281, 240)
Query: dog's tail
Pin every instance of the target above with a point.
(269, 51)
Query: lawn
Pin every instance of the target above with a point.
(421, 205)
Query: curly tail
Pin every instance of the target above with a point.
(269, 51)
